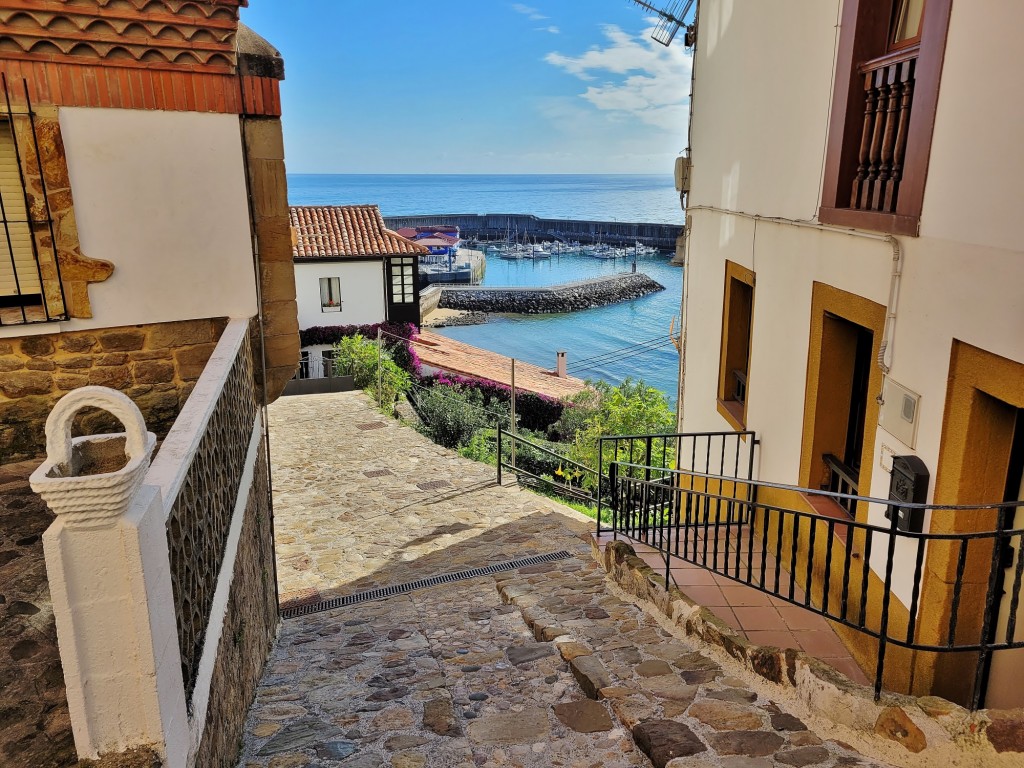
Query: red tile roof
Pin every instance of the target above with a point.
(340, 231)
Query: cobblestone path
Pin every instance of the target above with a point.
(537, 667)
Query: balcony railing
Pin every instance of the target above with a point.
(842, 481)
(888, 101)
(719, 522)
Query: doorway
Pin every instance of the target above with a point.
(1006, 668)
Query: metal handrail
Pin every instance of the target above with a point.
(519, 438)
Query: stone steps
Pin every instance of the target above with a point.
(680, 706)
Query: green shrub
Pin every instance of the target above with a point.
(482, 446)
(632, 408)
(452, 415)
(357, 356)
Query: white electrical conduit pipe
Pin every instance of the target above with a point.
(885, 349)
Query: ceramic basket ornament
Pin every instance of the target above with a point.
(90, 481)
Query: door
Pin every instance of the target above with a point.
(1006, 669)
(402, 287)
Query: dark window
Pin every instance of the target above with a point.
(737, 316)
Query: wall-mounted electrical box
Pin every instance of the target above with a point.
(900, 412)
(909, 483)
(683, 166)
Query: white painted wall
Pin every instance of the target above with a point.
(161, 195)
(758, 137)
(362, 292)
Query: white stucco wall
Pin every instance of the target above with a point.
(161, 195)
(362, 292)
(758, 137)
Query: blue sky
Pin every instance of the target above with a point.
(476, 86)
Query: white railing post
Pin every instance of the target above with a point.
(110, 582)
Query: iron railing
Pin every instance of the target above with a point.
(508, 452)
(722, 523)
(842, 480)
(31, 290)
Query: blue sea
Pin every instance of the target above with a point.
(610, 343)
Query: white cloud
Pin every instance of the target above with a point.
(552, 29)
(532, 13)
(640, 79)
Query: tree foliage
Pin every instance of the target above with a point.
(632, 408)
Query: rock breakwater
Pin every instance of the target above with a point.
(567, 297)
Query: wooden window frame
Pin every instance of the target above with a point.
(732, 410)
(865, 36)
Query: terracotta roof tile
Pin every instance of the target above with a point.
(340, 231)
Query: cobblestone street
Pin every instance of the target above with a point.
(540, 666)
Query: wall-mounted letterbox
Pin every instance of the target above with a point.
(909, 484)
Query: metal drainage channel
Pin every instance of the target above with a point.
(433, 581)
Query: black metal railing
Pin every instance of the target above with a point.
(510, 450)
(31, 290)
(723, 524)
(842, 480)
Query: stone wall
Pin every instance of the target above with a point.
(264, 147)
(249, 629)
(568, 297)
(155, 365)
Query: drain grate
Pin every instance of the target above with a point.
(371, 425)
(433, 581)
(433, 485)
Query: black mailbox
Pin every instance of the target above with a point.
(909, 483)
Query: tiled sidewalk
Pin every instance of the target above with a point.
(760, 618)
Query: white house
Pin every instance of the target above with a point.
(854, 267)
(350, 269)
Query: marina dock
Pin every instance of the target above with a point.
(437, 351)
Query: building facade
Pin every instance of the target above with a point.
(350, 269)
(853, 272)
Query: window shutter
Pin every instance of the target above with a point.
(16, 255)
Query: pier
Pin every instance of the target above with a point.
(532, 300)
(499, 226)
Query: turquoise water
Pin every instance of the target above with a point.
(609, 334)
(592, 333)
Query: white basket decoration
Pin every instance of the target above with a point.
(71, 480)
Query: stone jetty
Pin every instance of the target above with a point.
(567, 297)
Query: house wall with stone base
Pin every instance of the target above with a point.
(156, 365)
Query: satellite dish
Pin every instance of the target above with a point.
(672, 16)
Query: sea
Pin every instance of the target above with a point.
(628, 339)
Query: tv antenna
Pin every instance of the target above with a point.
(672, 16)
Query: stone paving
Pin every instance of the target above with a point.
(455, 675)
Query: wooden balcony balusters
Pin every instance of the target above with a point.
(888, 98)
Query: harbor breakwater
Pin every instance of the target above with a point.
(501, 226)
(567, 297)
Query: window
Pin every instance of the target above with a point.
(737, 315)
(402, 284)
(883, 111)
(330, 294)
(21, 295)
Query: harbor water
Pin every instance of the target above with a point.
(629, 339)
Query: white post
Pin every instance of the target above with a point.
(110, 581)
(560, 369)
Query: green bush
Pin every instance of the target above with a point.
(357, 357)
(482, 446)
(451, 416)
(632, 408)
